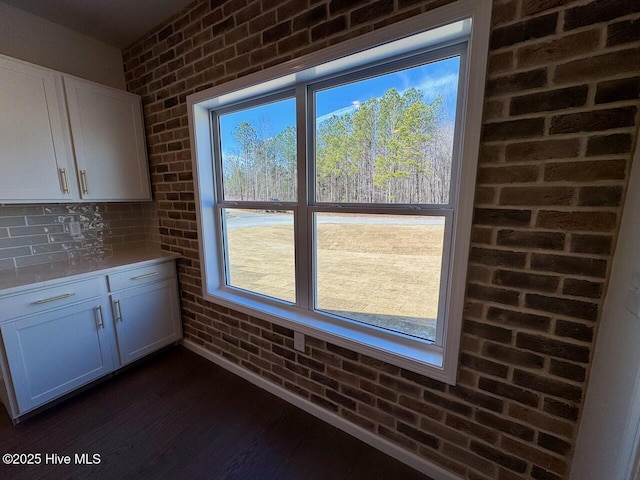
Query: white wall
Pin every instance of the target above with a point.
(611, 414)
(33, 39)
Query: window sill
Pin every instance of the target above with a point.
(414, 354)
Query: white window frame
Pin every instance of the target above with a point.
(465, 21)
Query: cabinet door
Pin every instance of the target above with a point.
(33, 134)
(147, 318)
(57, 351)
(108, 138)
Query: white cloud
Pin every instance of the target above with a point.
(431, 87)
(339, 112)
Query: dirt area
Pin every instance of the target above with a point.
(386, 275)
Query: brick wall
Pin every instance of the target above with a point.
(560, 124)
(37, 234)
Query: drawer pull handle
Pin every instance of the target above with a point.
(65, 180)
(83, 181)
(117, 310)
(53, 299)
(146, 275)
(98, 310)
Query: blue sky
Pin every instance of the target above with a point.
(432, 79)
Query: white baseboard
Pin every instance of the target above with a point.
(419, 463)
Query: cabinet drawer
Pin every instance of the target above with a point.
(35, 301)
(140, 276)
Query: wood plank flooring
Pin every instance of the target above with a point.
(178, 416)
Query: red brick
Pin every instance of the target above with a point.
(503, 12)
(516, 319)
(507, 426)
(540, 420)
(483, 365)
(531, 7)
(484, 195)
(618, 90)
(563, 306)
(522, 31)
(493, 110)
(419, 435)
(531, 239)
(516, 82)
(490, 153)
(502, 258)
(500, 62)
(502, 217)
(511, 462)
(546, 385)
(598, 66)
(582, 288)
(600, 196)
(474, 461)
(526, 280)
(328, 28)
(596, 244)
(476, 398)
(492, 294)
(558, 49)
(577, 331)
(623, 32)
(536, 196)
(372, 11)
(562, 409)
(553, 443)
(510, 174)
(512, 356)
(462, 424)
(527, 128)
(596, 12)
(534, 455)
(549, 100)
(590, 221)
(251, 11)
(612, 144)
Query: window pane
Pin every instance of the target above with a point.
(259, 251)
(382, 270)
(388, 139)
(258, 148)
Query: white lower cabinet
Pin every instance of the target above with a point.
(65, 336)
(145, 319)
(55, 352)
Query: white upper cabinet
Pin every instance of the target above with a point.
(108, 140)
(35, 161)
(39, 125)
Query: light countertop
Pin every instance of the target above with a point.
(40, 275)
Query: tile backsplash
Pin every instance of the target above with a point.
(36, 234)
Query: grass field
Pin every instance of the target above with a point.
(386, 275)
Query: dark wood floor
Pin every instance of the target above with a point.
(178, 416)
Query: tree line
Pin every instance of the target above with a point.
(393, 149)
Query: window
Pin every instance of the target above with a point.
(257, 165)
(335, 191)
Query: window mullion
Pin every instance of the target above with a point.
(445, 279)
(302, 219)
(219, 222)
(217, 156)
